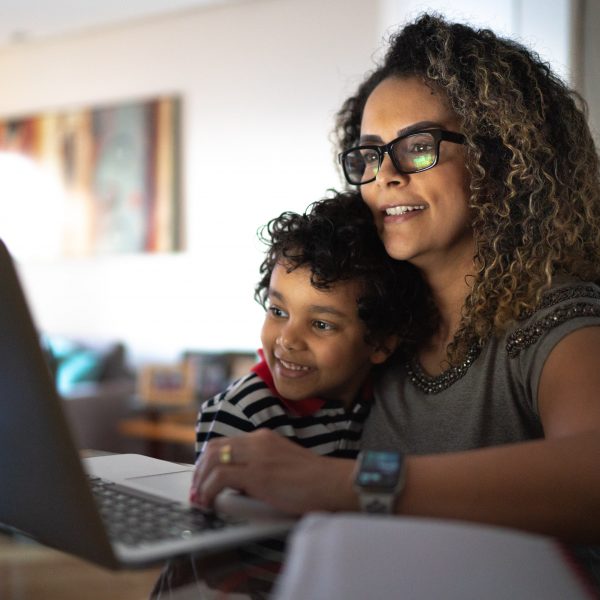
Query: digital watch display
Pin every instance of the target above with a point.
(379, 479)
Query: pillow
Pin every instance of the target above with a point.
(79, 366)
(73, 363)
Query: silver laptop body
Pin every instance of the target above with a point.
(45, 489)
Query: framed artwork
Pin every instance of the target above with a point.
(214, 371)
(240, 363)
(118, 169)
(167, 385)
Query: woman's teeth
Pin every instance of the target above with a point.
(401, 210)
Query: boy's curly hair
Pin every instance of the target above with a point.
(336, 239)
(535, 191)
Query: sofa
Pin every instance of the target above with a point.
(97, 388)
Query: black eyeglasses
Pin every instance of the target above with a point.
(409, 153)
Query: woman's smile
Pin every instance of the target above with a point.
(395, 211)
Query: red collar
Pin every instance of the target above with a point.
(307, 406)
(301, 408)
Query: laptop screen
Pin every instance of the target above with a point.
(44, 488)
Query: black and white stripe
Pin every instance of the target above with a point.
(248, 404)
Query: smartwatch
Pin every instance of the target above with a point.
(379, 479)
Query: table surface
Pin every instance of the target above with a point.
(168, 432)
(30, 571)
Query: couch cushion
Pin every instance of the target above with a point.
(74, 362)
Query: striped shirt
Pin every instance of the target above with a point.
(249, 404)
(323, 426)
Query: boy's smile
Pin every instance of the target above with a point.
(313, 340)
(290, 366)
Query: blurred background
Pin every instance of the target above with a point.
(256, 84)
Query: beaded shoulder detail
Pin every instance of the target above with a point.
(523, 337)
(441, 382)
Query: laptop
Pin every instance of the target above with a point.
(53, 496)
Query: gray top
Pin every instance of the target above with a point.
(491, 398)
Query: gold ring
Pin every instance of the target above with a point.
(225, 454)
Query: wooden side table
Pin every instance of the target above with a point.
(159, 427)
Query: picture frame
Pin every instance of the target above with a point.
(167, 385)
(116, 172)
(214, 371)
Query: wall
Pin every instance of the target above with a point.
(540, 24)
(260, 82)
(589, 83)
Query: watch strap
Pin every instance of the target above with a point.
(383, 504)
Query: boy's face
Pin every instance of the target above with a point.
(313, 340)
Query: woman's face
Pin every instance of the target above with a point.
(436, 232)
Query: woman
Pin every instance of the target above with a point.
(480, 170)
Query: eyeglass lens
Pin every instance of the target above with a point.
(409, 154)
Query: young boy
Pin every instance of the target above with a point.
(336, 306)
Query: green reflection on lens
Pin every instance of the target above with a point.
(421, 162)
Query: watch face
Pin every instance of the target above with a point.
(379, 469)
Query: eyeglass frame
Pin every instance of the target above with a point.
(439, 135)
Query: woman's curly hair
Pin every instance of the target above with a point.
(337, 240)
(534, 191)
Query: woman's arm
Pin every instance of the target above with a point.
(550, 486)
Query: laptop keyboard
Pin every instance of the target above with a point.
(133, 519)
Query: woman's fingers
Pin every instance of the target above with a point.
(221, 477)
(227, 462)
(217, 452)
(271, 468)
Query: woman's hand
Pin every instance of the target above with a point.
(271, 468)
